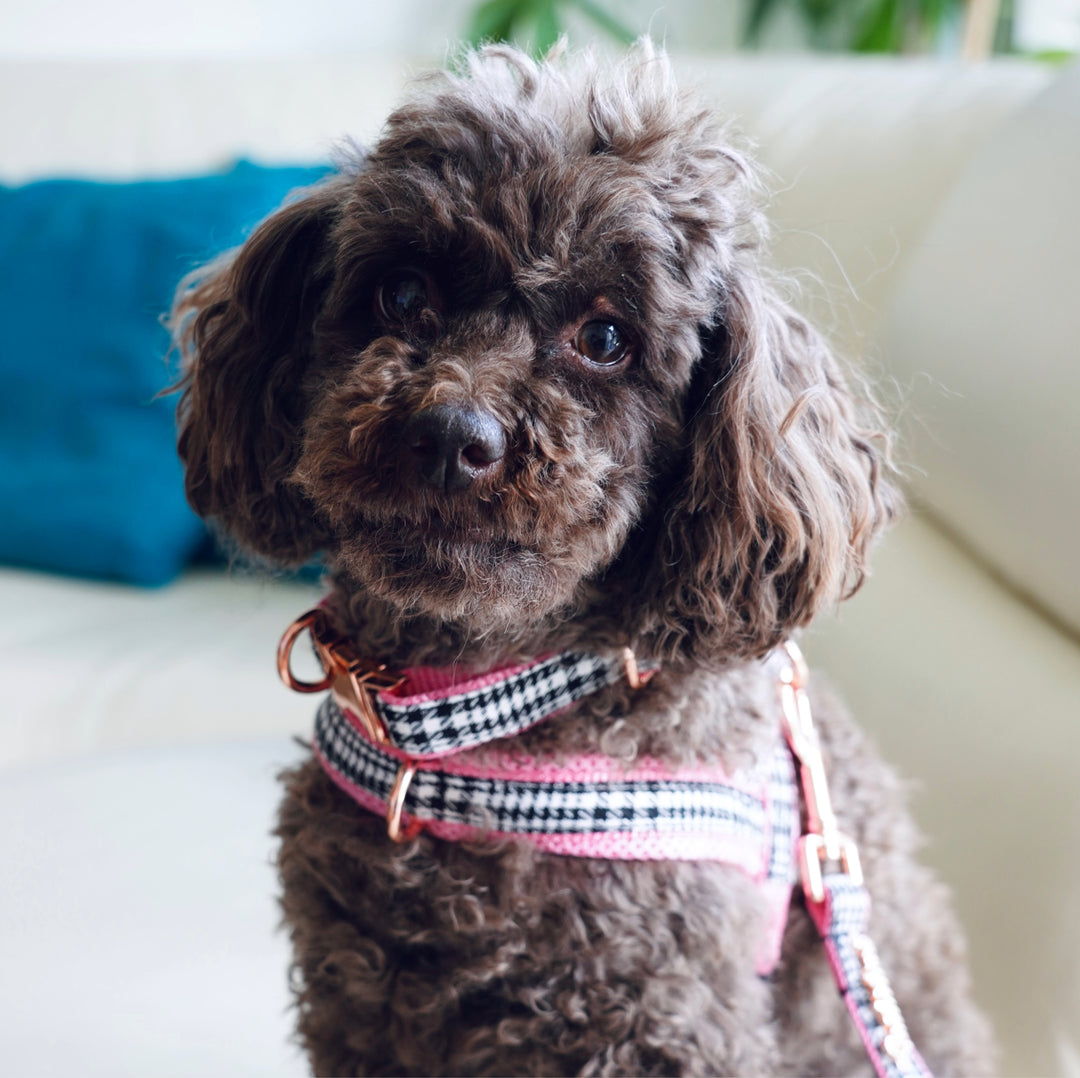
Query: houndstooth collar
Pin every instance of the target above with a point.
(431, 714)
(433, 711)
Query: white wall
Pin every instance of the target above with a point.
(115, 28)
(77, 28)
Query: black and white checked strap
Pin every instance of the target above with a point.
(431, 724)
(531, 808)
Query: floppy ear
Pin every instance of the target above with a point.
(783, 492)
(243, 326)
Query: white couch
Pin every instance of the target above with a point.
(140, 730)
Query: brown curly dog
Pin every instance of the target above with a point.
(519, 374)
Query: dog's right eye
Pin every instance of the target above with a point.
(602, 342)
(402, 296)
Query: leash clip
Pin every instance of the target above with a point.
(823, 842)
(349, 676)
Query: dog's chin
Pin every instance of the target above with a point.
(470, 578)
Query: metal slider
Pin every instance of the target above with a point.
(635, 677)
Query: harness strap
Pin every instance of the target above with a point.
(649, 812)
(588, 806)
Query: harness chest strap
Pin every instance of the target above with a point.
(588, 806)
(384, 747)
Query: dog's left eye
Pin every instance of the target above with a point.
(602, 342)
(402, 295)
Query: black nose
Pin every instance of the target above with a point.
(450, 445)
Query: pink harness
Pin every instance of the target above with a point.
(395, 742)
(586, 807)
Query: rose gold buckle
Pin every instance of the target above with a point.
(395, 803)
(284, 652)
(350, 677)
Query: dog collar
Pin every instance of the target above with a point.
(382, 747)
(429, 712)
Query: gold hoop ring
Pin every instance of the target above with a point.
(395, 803)
(306, 622)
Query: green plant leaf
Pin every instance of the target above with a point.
(819, 13)
(606, 21)
(494, 20)
(882, 29)
(760, 12)
(931, 18)
(548, 28)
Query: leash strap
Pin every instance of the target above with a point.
(836, 897)
(842, 919)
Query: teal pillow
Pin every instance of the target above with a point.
(89, 479)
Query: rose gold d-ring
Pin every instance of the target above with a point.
(304, 622)
(396, 802)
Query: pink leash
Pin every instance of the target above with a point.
(836, 898)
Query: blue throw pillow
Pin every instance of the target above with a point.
(89, 479)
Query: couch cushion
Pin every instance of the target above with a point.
(984, 330)
(861, 150)
(973, 696)
(138, 927)
(87, 665)
(89, 480)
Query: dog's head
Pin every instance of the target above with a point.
(521, 359)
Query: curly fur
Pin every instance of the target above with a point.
(699, 502)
